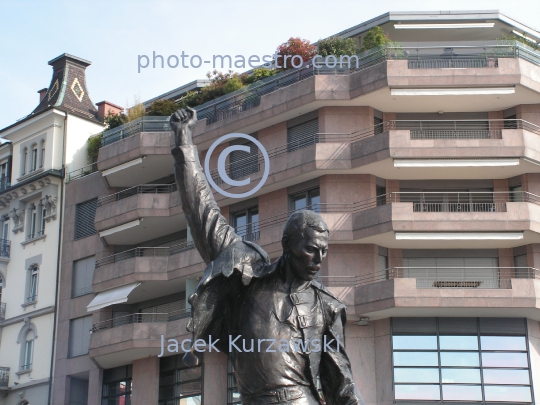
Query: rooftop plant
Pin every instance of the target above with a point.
(375, 37)
(162, 108)
(294, 47)
(337, 46)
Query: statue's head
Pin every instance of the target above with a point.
(305, 243)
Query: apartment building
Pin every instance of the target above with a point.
(424, 161)
(35, 153)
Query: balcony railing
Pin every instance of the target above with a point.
(471, 55)
(82, 172)
(2, 311)
(441, 277)
(4, 377)
(145, 252)
(140, 189)
(141, 318)
(419, 129)
(5, 248)
(143, 124)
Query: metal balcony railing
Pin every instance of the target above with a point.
(4, 377)
(82, 172)
(140, 189)
(141, 318)
(459, 55)
(145, 252)
(462, 55)
(2, 311)
(419, 129)
(5, 248)
(143, 124)
(440, 277)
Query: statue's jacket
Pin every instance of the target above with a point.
(234, 267)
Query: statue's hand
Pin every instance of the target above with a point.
(182, 122)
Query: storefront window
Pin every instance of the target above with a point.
(466, 364)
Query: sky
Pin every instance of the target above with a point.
(113, 33)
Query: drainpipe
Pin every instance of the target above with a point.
(60, 214)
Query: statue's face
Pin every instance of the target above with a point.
(306, 254)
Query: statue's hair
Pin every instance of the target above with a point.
(300, 220)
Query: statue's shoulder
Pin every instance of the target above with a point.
(328, 298)
(245, 257)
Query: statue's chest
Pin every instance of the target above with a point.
(270, 313)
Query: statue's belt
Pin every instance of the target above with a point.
(279, 395)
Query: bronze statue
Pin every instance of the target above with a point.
(261, 306)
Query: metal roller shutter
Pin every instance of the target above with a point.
(84, 219)
(503, 326)
(303, 135)
(83, 272)
(79, 336)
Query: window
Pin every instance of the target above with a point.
(516, 193)
(483, 360)
(117, 386)
(303, 135)
(79, 336)
(32, 284)
(34, 161)
(83, 272)
(246, 223)
(377, 126)
(306, 200)
(84, 219)
(28, 351)
(179, 384)
(42, 157)
(78, 391)
(243, 163)
(4, 181)
(233, 396)
(32, 221)
(42, 221)
(381, 195)
(24, 161)
(453, 272)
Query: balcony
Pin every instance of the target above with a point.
(153, 207)
(4, 378)
(122, 340)
(145, 150)
(449, 220)
(471, 292)
(82, 172)
(5, 248)
(276, 99)
(147, 264)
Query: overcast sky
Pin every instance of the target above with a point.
(112, 33)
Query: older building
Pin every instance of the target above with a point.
(424, 160)
(36, 152)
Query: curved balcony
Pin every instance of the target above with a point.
(449, 220)
(407, 291)
(152, 207)
(147, 264)
(122, 340)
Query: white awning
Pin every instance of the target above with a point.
(111, 297)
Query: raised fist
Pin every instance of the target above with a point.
(182, 121)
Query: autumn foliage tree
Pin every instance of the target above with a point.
(294, 53)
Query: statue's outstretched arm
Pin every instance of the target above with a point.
(209, 229)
